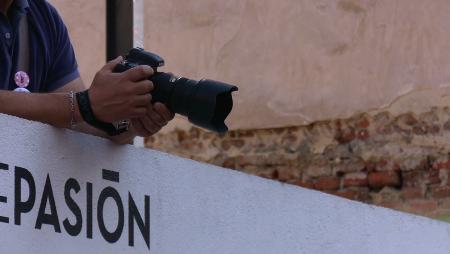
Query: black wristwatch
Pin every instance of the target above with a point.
(84, 104)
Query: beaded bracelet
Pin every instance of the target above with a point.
(73, 123)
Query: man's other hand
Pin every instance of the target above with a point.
(158, 115)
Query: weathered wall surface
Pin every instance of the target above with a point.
(398, 161)
(300, 61)
(194, 207)
(86, 22)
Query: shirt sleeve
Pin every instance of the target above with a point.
(63, 65)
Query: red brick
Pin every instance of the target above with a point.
(246, 134)
(338, 124)
(348, 194)
(304, 184)
(412, 193)
(447, 126)
(448, 176)
(327, 183)
(360, 195)
(445, 204)
(194, 133)
(243, 161)
(345, 136)
(181, 136)
(422, 205)
(385, 130)
(420, 130)
(433, 177)
(434, 129)
(440, 191)
(293, 129)
(402, 130)
(392, 205)
(378, 180)
(289, 138)
(229, 163)
(232, 134)
(279, 131)
(362, 134)
(381, 163)
(413, 178)
(364, 123)
(239, 143)
(286, 174)
(355, 182)
(268, 174)
(408, 119)
(226, 145)
(370, 166)
(356, 179)
(441, 164)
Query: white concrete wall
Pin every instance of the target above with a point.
(195, 208)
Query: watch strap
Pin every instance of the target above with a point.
(84, 104)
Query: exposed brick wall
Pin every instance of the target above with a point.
(401, 162)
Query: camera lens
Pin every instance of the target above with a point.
(205, 103)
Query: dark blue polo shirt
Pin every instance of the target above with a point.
(52, 62)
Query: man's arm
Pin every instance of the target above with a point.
(78, 85)
(157, 116)
(114, 96)
(52, 108)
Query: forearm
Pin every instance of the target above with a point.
(113, 97)
(50, 108)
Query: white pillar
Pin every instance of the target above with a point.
(138, 41)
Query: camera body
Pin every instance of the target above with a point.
(205, 103)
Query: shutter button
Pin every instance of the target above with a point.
(7, 35)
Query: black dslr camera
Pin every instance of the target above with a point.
(205, 103)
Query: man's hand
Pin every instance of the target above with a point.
(158, 115)
(118, 96)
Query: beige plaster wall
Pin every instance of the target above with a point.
(300, 61)
(86, 22)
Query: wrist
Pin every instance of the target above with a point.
(87, 114)
(74, 120)
(93, 104)
(77, 115)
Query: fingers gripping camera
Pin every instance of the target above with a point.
(206, 103)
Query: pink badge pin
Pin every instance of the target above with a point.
(21, 78)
